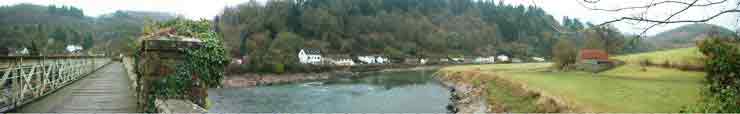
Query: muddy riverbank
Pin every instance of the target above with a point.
(465, 97)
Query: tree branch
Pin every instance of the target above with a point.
(667, 20)
(648, 5)
(669, 17)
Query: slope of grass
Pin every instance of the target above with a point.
(619, 90)
(690, 56)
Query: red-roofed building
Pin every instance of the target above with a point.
(593, 54)
(594, 60)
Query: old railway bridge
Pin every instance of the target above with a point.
(64, 84)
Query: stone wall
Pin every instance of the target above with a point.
(177, 106)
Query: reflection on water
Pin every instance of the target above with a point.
(398, 92)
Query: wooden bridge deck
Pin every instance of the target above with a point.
(105, 91)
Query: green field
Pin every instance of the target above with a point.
(674, 56)
(623, 89)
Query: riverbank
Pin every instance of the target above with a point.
(465, 97)
(477, 91)
(252, 79)
(533, 87)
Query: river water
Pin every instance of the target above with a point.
(395, 92)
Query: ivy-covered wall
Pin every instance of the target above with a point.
(185, 72)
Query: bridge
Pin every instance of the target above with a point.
(64, 84)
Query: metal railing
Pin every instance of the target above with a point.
(24, 79)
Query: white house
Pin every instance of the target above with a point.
(489, 59)
(73, 48)
(503, 58)
(458, 59)
(423, 61)
(344, 62)
(373, 59)
(381, 60)
(309, 56)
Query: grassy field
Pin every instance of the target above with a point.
(674, 56)
(627, 88)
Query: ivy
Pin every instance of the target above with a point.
(202, 67)
(723, 76)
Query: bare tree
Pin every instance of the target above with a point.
(684, 4)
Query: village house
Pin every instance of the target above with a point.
(373, 59)
(485, 60)
(593, 56)
(457, 59)
(309, 56)
(343, 62)
(74, 49)
(593, 60)
(503, 58)
(340, 60)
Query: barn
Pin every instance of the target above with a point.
(594, 60)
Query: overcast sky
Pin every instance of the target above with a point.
(196, 9)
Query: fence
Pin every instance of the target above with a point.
(24, 79)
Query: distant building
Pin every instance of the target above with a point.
(309, 56)
(21, 52)
(485, 60)
(339, 60)
(344, 62)
(457, 59)
(74, 49)
(373, 59)
(502, 58)
(593, 55)
(593, 60)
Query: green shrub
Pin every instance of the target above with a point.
(723, 77)
(278, 68)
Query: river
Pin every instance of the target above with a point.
(393, 92)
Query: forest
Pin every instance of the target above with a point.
(46, 30)
(273, 32)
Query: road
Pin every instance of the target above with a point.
(105, 91)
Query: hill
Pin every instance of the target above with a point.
(47, 29)
(685, 36)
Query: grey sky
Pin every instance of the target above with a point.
(195, 9)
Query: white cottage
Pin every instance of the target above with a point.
(489, 59)
(73, 48)
(309, 56)
(373, 59)
(502, 58)
(344, 62)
